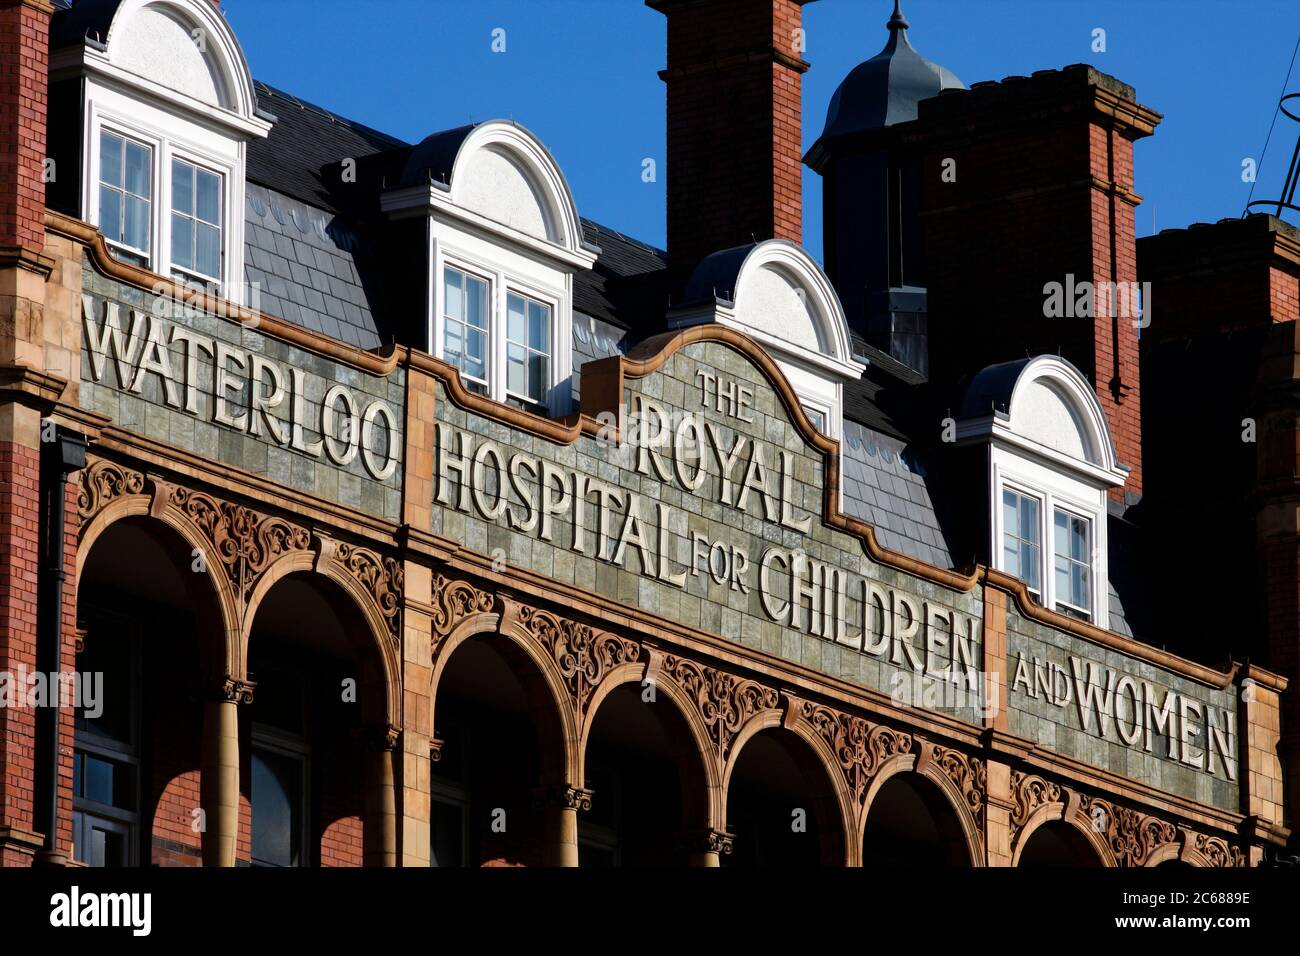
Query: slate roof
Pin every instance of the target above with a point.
(304, 262)
(885, 485)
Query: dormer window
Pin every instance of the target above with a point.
(1051, 465)
(1072, 537)
(196, 221)
(167, 108)
(501, 343)
(466, 332)
(1022, 538)
(126, 195)
(775, 293)
(528, 349)
(504, 242)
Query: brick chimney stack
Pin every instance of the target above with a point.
(734, 163)
(1028, 186)
(24, 81)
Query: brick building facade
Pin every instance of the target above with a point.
(387, 518)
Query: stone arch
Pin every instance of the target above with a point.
(143, 506)
(941, 786)
(507, 627)
(1060, 812)
(381, 639)
(804, 732)
(714, 802)
(1180, 852)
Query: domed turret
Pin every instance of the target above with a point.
(882, 91)
(871, 195)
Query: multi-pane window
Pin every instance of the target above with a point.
(466, 327)
(196, 219)
(1021, 537)
(1073, 565)
(278, 792)
(528, 348)
(106, 754)
(125, 194)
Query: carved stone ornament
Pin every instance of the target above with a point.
(1219, 852)
(1131, 836)
(246, 541)
(232, 689)
(103, 482)
(563, 796)
(968, 773)
(725, 701)
(1029, 792)
(860, 746)
(706, 840)
(382, 576)
(453, 601)
(583, 654)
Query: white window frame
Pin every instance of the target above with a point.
(1089, 613)
(166, 145)
(551, 300)
(1053, 492)
(501, 282)
(223, 180)
(1024, 491)
(484, 276)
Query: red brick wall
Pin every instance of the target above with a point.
(68, 664)
(24, 51)
(734, 172)
(1043, 190)
(20, 551)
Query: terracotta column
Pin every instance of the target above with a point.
(706, 847)
(561, 805)
(380, 820)
(219, 771)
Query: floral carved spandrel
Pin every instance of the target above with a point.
(860, 746)
(584, 655)
(102, 483)
(725, 701)
(968, 774)
(1028, 793)
(453, 601)
(381, 576)
(1131, 836)
(246, 541)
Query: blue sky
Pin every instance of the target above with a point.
(581, 74)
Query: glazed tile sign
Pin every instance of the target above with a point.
(230, 393)
(702, 502)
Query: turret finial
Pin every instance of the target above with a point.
(897, 21)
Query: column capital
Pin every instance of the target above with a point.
(564, 796)
(383, 737)
(234, 689)
(706, 840)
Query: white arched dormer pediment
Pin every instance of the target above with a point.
(775, 293)
(498, 180)
(504, 173)
(1046, 408)
(181, 53)
(1051, 466)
